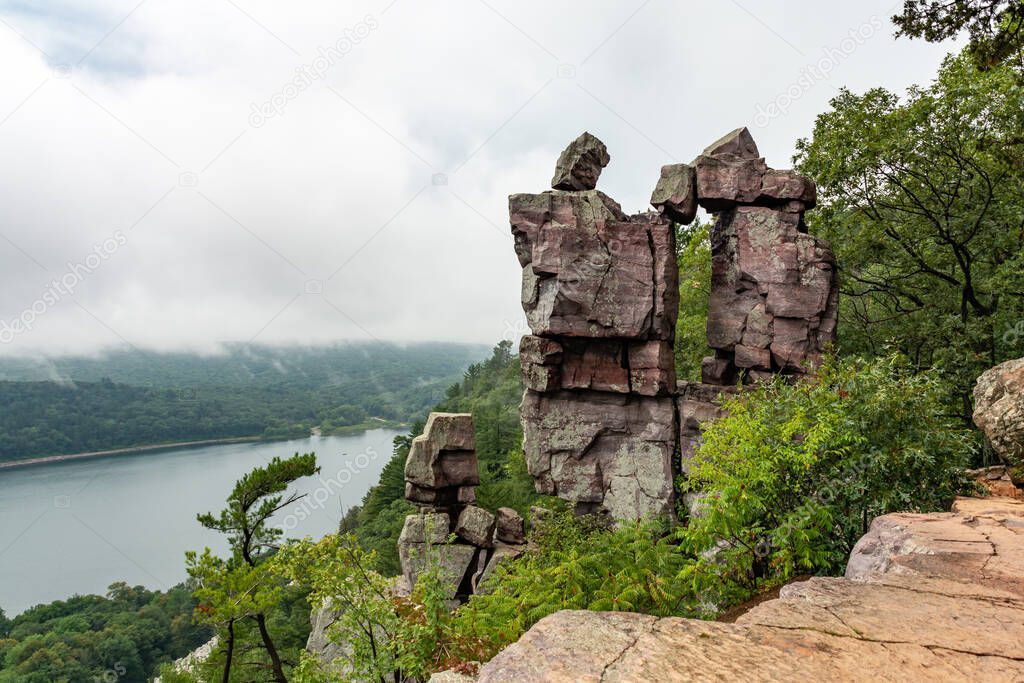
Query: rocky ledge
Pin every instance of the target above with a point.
(926, 597)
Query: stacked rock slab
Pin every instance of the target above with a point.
(440, 478)
(774, 298)
(773, 303)
(600, 292)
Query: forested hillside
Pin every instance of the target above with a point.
(133, 398)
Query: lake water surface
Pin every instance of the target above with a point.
(77, 526)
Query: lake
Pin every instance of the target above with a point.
(78, 526)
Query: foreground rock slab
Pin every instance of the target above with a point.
(931, 597)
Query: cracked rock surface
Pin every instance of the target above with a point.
(927, 597)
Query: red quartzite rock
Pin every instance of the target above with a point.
(510, 526)
(580, 164)
(774, 295)
(612, 450)
(590, 271)
(675, 195)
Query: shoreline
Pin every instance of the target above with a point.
(129, 450)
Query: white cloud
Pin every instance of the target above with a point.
(454, 89)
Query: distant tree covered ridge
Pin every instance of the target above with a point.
(134, 398)
(123, 636)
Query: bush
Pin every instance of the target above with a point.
(796, 472)
(575, 563)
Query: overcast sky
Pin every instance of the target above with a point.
(160, 163)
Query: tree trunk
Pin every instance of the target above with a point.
(230, 651)
(275, 658)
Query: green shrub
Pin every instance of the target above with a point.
(575, 563)
(795, 473)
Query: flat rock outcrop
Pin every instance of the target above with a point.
(999, 413)
(929, 597)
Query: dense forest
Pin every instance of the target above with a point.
(136, 398)
(124, 635)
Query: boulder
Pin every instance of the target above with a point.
(675, 195)
(590, 271)
(580, 164)
(501, 554)
(736, 144)
(999, 413)
(443, 456)
(451, 676)
(723, 182)
(476, 526)
(783, 187)
(424, 541)
(510, 528)
(774, 295)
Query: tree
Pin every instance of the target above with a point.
(921, 201)
(693, 247)
(5, 624)
(253, 501)
(995, 27)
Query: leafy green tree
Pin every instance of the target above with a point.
(5, 624)
(995, 27)
(693, 247)
(792, 476)
(920, 199)
(240, 587)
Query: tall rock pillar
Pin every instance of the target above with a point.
(600, 292)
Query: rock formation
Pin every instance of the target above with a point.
(603, 415)
(999, 413)
(774, 298)
(926, 597)
(440, 477)
(600, 293)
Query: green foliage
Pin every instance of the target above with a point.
(693, 247)
(255, 498)
(241, 596)
(920, 199)
(794, 474)
(135, 398)
(996, 27)
(125, 635)
(384, 635)
(576, 563)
